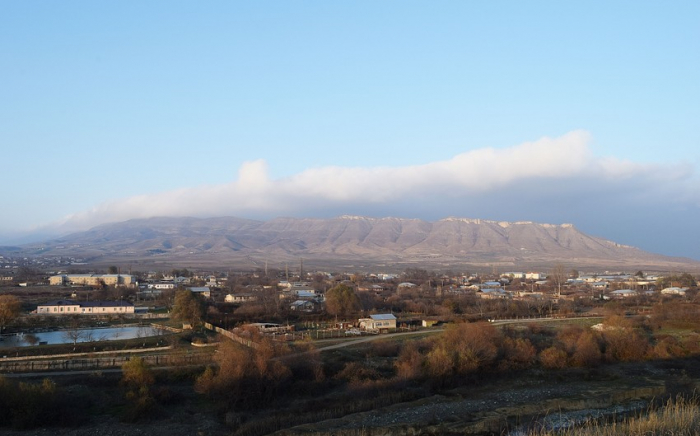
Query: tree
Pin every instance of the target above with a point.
(137, 379)
(10, 308)
(74, 333)
(687, 281)
(245, 377)
(463, 349)
(684, 280)
(25, 273)
(136, 375)
(342, 300)
(558, 277)
(113, 270)
(188, 307)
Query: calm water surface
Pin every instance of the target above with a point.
(82, 335)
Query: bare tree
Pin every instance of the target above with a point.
(558, 277)
(74, 334)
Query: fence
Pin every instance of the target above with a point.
(77, 364)
(234, 337)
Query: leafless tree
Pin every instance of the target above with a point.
(73, 333)
(558, 277)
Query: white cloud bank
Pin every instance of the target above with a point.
(547, 173)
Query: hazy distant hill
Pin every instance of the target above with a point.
(353, 242)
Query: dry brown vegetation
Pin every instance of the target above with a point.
(675, 418)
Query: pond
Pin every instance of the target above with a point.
(79, 335)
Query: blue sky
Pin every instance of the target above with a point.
(582, 113)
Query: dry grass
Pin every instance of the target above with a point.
(675, 418)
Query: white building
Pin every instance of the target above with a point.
(674, 290)
(93, 280)
(624, 293)
(71, 307)
(535, 276)
(240, 298)
(379, 322)
(161, 286)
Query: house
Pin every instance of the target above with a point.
(71, 307)
(305, 294)
(674, 290)
(514, 275)
(303, 306)
(534, 276)
(161, 286)
(212, 280)
(240, 298)
(493, 293)
(379, 323)
(182, 280)
(490, 285)
(201, 290)
(624, 293)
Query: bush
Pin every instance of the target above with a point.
(668, 347)
(464, 348)
(625, 345)
(29, 405)
(410, 363)
(587, 350)
(553, 358)
(517, 354)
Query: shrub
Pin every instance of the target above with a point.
(668, 347)
(517, 354)
(410, 363)
(625, 345)
(29, 405)
(356, 371)
(553, 358)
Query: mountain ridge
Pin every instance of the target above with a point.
(352, 240)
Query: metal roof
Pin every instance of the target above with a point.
(383, 316)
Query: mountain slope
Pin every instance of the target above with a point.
(354, 240)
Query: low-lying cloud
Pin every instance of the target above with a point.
(551, 178)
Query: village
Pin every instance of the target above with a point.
(413, 297)
(374, 348)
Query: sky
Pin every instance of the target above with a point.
(554, 112)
